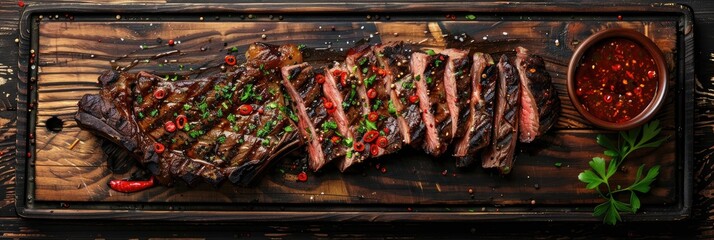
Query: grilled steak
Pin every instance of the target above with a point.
(404, 101)
(457, 84)
(379, 130)
(316, 113)
(225, 125)
(429, 80)
(500, 154)
(348, 111)
(478, 125)
(540, 105)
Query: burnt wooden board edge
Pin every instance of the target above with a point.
(26, 118)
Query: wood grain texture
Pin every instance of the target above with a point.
(700, 224)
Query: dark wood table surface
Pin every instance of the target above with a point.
(700, 224)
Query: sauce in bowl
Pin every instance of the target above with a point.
(616, 79)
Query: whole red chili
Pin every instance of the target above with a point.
(128, 186)
(382, 142)
(370, 136)
(181, 121)
(374, 150)
(413, 99)
(302, 177)
(373, 116)
(359, 147)
(371, 93)
(159, 148)
(171, 42)
(320, 78)
(170, 126)
(230, 60)
(245, 109)
(159, 93)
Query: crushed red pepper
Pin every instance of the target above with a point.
(616, 80)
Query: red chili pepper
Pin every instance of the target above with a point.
(159, 93)
(343, 78)
(381, 72)
(607, 98)
(371, 93)
(651, 74)
(370, 136)
(331, 110)
(358, 146)
(328, 105)
(21, 3)
(373, 116)
(302, 177)
(382, 142)
(245, 109)
(128, 186)
(413, 99)
(230, 60)
(320, 78)
(374, 150)
(386, 130)
(181, 121)
(335, 139)
(159, 148)
(170, 126)
(171, 42)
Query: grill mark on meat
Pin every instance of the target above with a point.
(338, 89)
(539, 102)
(484, 75)
(394, 58)
(457, 84)
(501, 153)
(429, 78)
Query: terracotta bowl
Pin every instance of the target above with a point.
(648, 45)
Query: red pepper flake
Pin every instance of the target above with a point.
(170, 126)
(159, 148)
(413, 99)
(320, 78)
(245, 109)
(471, 191)
(616, 67)
(21, 3)
(260, 111)
(371, 93)
(172, 42)
(331, 110)
(370, 136)
(382, 142)
(607, 98)
(651, 74)
(619, 17)
(373, 149)
(181, 121)
(230, 60)
(381, 72)
(29, 154)
(443, 173)
(373, 116)
(358, 146)
(383, 170)
(335, 139)
(386, 130)
(160, 93)
(410, 209)
(302, 177)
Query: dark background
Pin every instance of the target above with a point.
(700, 224)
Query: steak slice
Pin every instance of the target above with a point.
(403, 100)
(479, 122)
(315, 112)
(229, 124)
(501, 153)
(342, 90)
(457, 83)
(540, 105)
(428, 74)
(379, 130)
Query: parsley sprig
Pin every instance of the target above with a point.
(599, 177)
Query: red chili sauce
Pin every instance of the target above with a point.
(616, 80)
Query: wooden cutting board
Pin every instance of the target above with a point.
(68, 170)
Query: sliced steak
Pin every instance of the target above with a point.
(404, 101)
(501, 153)
(457, 83)
(339, 89)
(477, 128)
(540, 105)
(315, 112)
(428, 74)
(380, 129)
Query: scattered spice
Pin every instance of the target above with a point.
(71, 146)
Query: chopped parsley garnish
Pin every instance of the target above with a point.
(221, 139)
(231, 118)
(139, 99)
(266, 142)
(187, 127)
(376, 105)
(418, 77)
(370, 125)
(195, 133)
(154, 112)
(428, 80)
(224, 105)
(141, 115)
(204, 115)
(203, 106)
(288, 128)
(430, 52)
(219, 113)
(407, 85)
(391, 108)
(349, 153)
(437, 62)
(329, 125)
(365, 70)
(262, 132)
(251, 126)
(272, 105)
(302, 46)
(293, 116)
(368, 81)
(347, 142)
(362, 60)
(247, 93)
(186, 107)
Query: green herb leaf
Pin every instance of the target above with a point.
(598, 164)
(221, 139)
(589, 177)
(288, 128)
(370, 125)
(471, 17)
(643, 185)
(634, 202)
(430, 52)
(606, 142)
(391, 108)
(186, 107)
